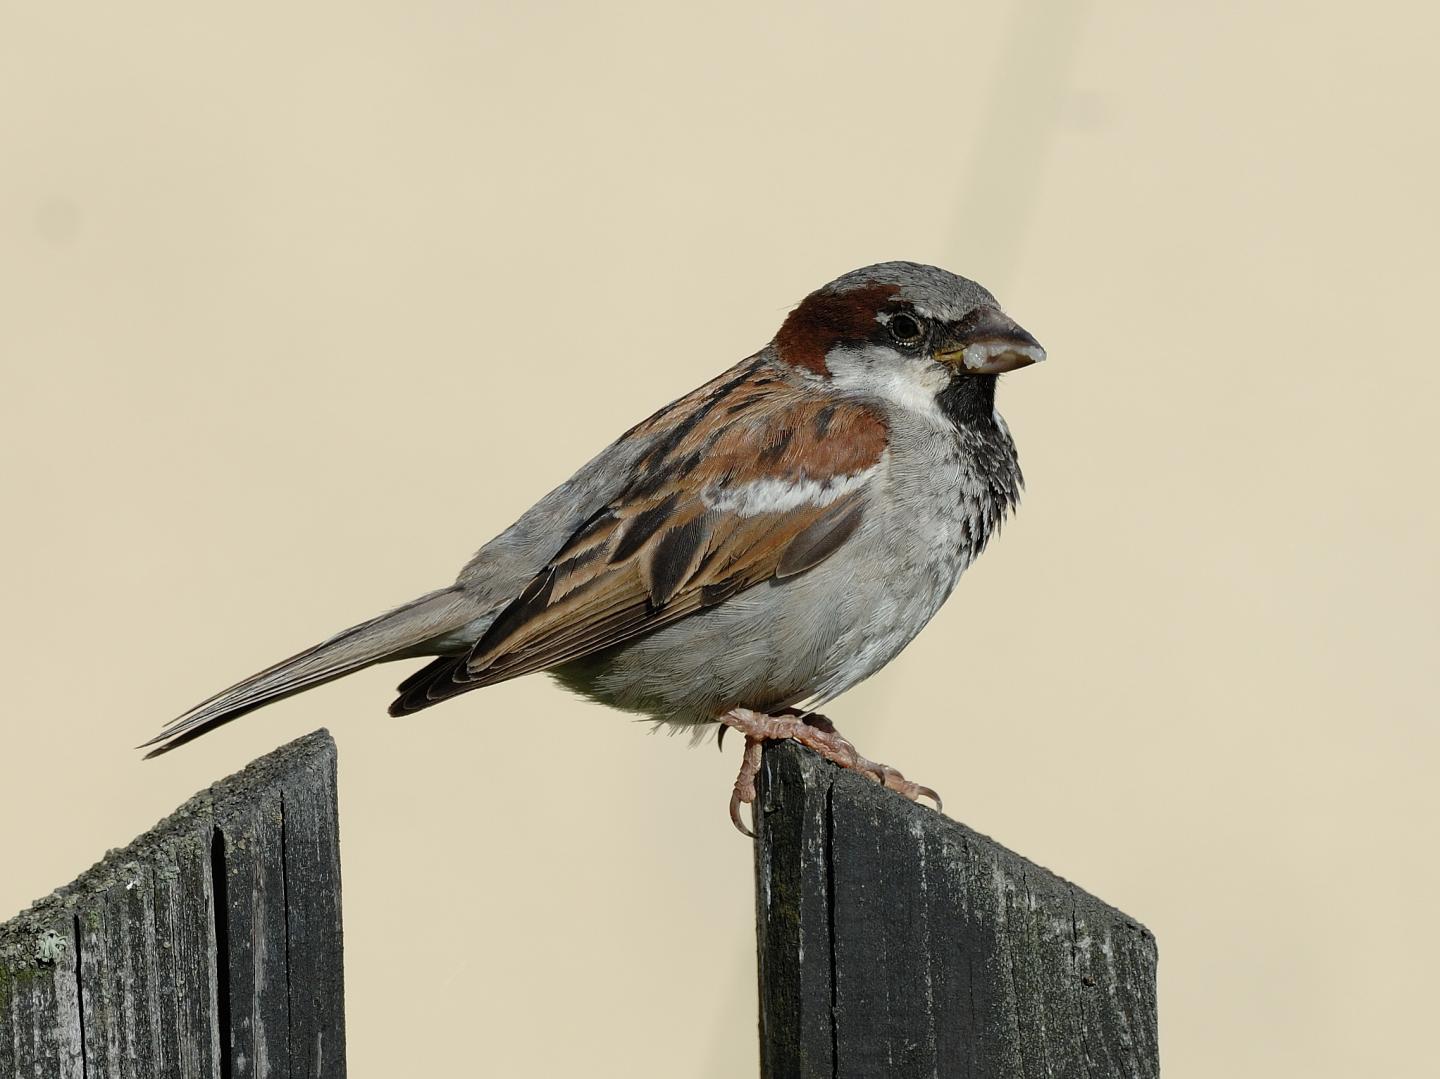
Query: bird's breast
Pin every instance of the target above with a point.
(943, 494)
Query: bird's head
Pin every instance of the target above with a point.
(914, 335)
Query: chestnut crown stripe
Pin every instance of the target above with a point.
(827, 318)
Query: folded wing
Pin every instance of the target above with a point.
(751, 479)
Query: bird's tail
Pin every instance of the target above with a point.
(405, 631)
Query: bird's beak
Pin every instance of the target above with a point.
(987, 342)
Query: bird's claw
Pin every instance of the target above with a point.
(744, 792)
(816, 733)
(735, 816)
(893, 779)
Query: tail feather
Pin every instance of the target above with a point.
(393, 635)
(431, 684)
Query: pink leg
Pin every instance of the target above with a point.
(813, 732)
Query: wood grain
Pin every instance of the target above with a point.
(894, 941)
(209, 947)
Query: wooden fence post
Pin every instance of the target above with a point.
(893, 942)
(209, 947)
(896, 942)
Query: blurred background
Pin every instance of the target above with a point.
(300, 304)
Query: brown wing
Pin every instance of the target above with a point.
(750, 478)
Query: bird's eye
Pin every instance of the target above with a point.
(904, 329)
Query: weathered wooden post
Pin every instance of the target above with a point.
(209, 947)
(893, 942)
(896, 942)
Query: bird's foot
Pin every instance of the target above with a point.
(813, 732)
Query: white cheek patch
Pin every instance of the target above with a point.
(908, 381)
(778, 495)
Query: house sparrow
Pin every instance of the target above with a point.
(749, 551)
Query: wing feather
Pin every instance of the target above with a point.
(765, 488)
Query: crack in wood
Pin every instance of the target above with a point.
(80, 994)
(219, 890)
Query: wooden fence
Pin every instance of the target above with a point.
(893, 942)
(210, 946)
(897, 942)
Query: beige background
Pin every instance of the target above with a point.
(299, 304)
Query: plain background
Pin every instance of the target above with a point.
(301, 303)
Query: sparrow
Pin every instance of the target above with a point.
(747, 553)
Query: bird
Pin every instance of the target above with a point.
(745, 554)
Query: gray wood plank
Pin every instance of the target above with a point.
(41, 1029)
(247, 863)
(894, 941)
(792, 884)
(210, 946)
(311, 860)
